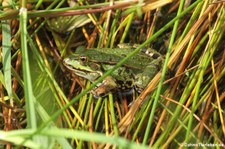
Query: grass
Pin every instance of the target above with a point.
(43, 105)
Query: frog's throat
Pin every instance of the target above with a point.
(92, 76)
(82, 71)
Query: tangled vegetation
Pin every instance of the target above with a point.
(45, 105)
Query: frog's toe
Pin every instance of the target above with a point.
(99, 92)
(97, 95)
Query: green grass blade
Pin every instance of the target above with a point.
(13, 137)
(114, 123)
(131, 17)
(31, 116)
(6, 53)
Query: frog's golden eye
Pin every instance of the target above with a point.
(83, 59)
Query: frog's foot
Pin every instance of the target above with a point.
(107, 85)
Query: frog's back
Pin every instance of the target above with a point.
(113, 56)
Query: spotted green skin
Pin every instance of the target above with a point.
(136, 72)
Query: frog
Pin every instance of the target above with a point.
(135, 73)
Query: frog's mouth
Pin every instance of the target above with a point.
(82, 71)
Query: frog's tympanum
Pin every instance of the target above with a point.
(136, 72)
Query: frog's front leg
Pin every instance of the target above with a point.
(107, 85)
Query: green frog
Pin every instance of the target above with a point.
(136, 72)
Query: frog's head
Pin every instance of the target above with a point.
(82, 67)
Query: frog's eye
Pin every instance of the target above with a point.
(83, 59)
